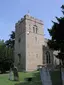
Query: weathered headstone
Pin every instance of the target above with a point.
(16, 76)
(45, 76)
(11, 74)
(62, 75)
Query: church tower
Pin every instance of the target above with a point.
(29, 38)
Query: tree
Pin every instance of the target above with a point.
(10, 44)
(57, 36)
(2, 49)
(5, 61)
(11, 41)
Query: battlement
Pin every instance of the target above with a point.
(33, 18)
(22, 19)
(28, 17)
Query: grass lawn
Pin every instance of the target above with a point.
(22, 75)
(35, 78)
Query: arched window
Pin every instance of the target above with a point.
(48, 60)
(35, 29)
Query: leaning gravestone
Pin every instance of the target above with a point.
(16, 76)
(45, 76)
(11, 74)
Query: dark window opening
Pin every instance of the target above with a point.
(36, 55)
(48, 60)
(19, 40)
(19, 56)
(35, 29)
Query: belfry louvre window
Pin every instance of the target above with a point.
(35, 29)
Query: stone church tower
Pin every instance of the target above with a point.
(29, 39)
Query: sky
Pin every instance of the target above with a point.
(13, 10)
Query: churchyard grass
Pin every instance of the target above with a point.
(4, 78)
(22, 75)
(35, 78)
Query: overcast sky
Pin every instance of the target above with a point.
(13, 10)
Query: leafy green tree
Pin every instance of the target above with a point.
(10, 45)
(5, 61)
(57, 36)
(11, 41)
(2, 49)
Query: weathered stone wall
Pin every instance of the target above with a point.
(20, 45)
(34, 42)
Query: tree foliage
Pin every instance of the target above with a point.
(10, 44)
(11, 41)
(57, 36)
(5, 57)
(7, 53)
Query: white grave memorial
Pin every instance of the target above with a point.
(11, 74)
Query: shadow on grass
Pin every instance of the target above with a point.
(29, 83)
(35, 80)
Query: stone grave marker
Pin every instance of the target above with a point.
(11, 74)
(45, 76)
(15, 71)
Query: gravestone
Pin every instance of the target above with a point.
(62, 75)
(11, 74)
(45, 76)
(15, 71)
